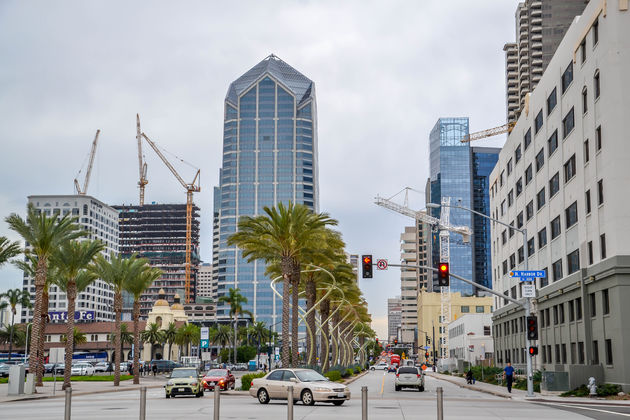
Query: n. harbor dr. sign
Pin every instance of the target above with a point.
(78, 316)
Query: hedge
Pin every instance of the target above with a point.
(246, 380)
(333, 375)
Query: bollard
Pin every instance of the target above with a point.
(290, 402)
(364, 401)
(217, 401)
(143, 403)
(440, 401)
(67, 414)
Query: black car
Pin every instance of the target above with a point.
(163, 365)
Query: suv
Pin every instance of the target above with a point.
(164, 365)
(409, 377)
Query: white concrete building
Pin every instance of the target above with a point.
(394, 314)
(206, 282)
(100, 221)
(562, 176)
(470, 338)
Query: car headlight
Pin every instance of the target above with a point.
(321, 388)
(193, 384)
(169, 383)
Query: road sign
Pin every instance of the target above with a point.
(426, 347)
(529, 275)
(528, 289)
(205, 333)
(381, 264)
(204, 343)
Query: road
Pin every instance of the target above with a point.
(384, 403)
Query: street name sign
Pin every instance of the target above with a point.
(529, 275)
(381, 264)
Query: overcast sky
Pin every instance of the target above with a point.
(385, 71)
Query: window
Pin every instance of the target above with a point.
(529, 210)
(600, 192)
(573, 262)
(517, 154)
(595, 353)
(479, 310)
(609, 353)
(501, 178)
(519, 220)
(276, 375)
(595, 33)
(509, 167)
(583, 50)
(510, 198)
(486, 328)
(590, 252)
(580, 352)
(570, 310)
(569, 169)
(605, 302)
(540, 160)
(465, 309)
(602, 246)
(531, 247)
(519, 186)
(521, 255)
(552, 143)
(505, 269)
(554, 184)
(593, 304)
(596, 84)
(502, 207)
(568, 122)
(578, 308)
(542, 238)
(556, 268)
(552, 100)
(555, 228)
(555, 315)
(571, 215)
(587, 198)
(511, 230)
(584, 100)
(503, 237)
(567, 77)
(587, 155)
(598, 138)
(529, 173)
(512, 261)
(540, 199)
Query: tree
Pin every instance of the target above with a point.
(136, 285)
(78, 337)
(14, 334)
(260, 332)
(44, 235)
(170, 333)
(153, 335)
(222, 337)
(8, 250)
(71, 260)
(126, 337)
(235, 299)
(12, 298)
(186, 335)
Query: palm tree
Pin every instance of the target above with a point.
(186, 335)
(260, 332)
(13, 297)
(71, 260)
(169, 337)
(12, 334)
(153, 335)
(116, 273)
(222, 337)
(136, 286)
(235, 299)
(281, 235)
(43, 234)
(8, 250)
(78, 337)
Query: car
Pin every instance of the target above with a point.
(221, 377)
(241, 366)
(48, 367)
(4, 370)
(103, 367)
(380, 366)
(309, 387)
(82, 369)
(59, 368)
(183, 381)
(124, 366)
(409, 377)
(164, 365)
(392, 368)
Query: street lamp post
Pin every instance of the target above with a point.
(26, 349)
(526, 305)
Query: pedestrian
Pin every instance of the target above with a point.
(508, 374)
(154, 368)
(469, 377)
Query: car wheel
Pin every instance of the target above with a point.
(263, 396)
(372, 368)
(421, 388)
(397, 388)
(168, 396)
(307, 397)
(338, 402)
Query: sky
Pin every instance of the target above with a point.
(384, 71)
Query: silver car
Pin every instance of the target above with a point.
(308, 386)
(409, 377)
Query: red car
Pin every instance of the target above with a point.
(221, 377)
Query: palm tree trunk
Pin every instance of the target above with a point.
(295, 280)
(39, 370)
(170, 343)
(311, 295)
(324, 311)
(71, 294)
(11, 333)
(136, 342)
(117, 337)
(40, 281)
(286, 298)
(235, 327)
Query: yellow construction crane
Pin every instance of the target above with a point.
(190, 189)
(77, 187)
(142, 166)
(505, 128)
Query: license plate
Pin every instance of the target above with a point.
(341, 395)
(181, 389)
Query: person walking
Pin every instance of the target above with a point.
(469, 377)
(154, 368)
(508, 374)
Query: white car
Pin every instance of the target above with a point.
(409, 377)
(380, 366)
(82, 369)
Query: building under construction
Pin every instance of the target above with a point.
(158, 232)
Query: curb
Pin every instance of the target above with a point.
(487, 391)
(79, 393)
(349, 381)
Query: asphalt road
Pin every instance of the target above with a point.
(384, 403)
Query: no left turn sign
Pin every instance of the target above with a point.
(381, 264)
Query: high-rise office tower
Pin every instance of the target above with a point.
(269, 156)
(540, 26)
(394, 317)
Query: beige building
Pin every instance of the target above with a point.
(163, 314)
(429, 310)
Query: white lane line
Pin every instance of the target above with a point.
(587, 408)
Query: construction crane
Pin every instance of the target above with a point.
(142, 166)
(191, 188)
(77, 186)
(505, 128)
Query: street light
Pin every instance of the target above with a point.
(26, 349)
(526, 305)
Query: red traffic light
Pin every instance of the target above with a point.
(444, 267)
(533, 350)
(367, 259)
(366, 263)
(443, 274)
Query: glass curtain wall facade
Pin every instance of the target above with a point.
(269, 156)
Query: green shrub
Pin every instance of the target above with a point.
(246, 380)
(349, 372)
(333, 375)
(605, 390)
(357, 369)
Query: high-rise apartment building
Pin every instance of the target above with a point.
(561, 176)
(540, 26)
(206, 282)
(269, 156)
(100, 221)
(394, 317)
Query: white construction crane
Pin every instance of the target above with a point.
(77, 186)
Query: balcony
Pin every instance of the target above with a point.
(536, 21)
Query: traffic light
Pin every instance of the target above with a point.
(395, 341)
(377, 341)
(443, 275)
(426, 355)
(532, 328)
(367, 266)
(533, 350)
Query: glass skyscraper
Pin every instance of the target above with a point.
(269, 156)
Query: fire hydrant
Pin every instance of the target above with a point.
(592, 388)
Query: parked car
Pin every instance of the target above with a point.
(183, 381)
(4, 370)
(308, 386)
(82, 369)
(48, 367)
(103, 367)
(59, 368)
(241, 366)
(380, 366)
(164, 365)
(409, 377)
(221, 377)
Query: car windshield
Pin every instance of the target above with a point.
(408, 370)
(309, 376)
(217, 372)
(184, 373)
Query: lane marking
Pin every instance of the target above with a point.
(383, 383)
(588, 408)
